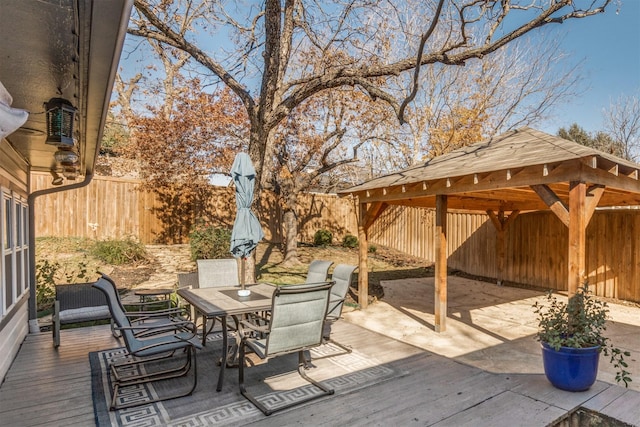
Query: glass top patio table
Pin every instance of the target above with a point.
(224, 301)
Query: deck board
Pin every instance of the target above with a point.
(45, 386)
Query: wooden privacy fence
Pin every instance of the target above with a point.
(536, 243)
(111, 208)
(536, 247)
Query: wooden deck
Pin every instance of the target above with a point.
(53, 387)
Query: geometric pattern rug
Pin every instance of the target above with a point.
(206, 407)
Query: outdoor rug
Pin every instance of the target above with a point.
(274, 383)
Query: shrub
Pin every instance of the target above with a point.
(208, 242)
(48, 274)
(322, 238)
(350, 241)
(579, 323)
(118, 252)
(372, 249)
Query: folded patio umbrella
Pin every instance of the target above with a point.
(247, 231)
(10, 118)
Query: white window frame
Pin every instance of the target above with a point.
(14, 248)
(5, 249)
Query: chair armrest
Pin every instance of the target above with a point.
(176, 312)
(258, 328)
(142, 306)
(169, 340)
(164, 327)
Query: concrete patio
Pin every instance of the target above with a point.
(488, 326)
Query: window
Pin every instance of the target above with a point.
(25, 246)
(14, 260)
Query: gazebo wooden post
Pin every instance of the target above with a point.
(440, 297)
(577, 236)
(367, 214)
(363, 277)
(500, 222)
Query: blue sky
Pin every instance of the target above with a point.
(609, 45)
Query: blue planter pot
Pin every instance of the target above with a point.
(571, 369)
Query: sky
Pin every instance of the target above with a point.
(609, 45)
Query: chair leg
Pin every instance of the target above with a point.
(150, 378)
(129, 361)
(115, 332)
(268, 411)
(56, 324)
(345, 349)
(326, 338)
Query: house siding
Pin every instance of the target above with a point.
(14, 316)
(13, 330)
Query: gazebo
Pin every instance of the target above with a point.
(519, 171)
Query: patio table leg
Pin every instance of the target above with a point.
(223, 363)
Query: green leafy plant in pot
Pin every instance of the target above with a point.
(572, 338)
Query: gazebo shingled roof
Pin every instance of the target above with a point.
(498, 173)
(521, 170)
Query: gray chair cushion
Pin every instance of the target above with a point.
(217, 272)
(297, 317)
(84, 314)
(342, 275)
(318, 271)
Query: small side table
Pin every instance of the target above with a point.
(154, 293)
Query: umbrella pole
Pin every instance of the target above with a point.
(242, 269)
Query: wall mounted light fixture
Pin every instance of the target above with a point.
(57, 179)
(66, 157)
(60, 118)
(70, 173)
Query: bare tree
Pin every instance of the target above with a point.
(519, 86)
(268, 42)
(319, 137)
(266, 38)
(622, 121)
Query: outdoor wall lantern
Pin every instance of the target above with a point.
(57, 179)
(70, 173)
(60, 118)
(66, 157)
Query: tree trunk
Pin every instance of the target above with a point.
(290, 221)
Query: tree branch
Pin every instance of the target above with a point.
(167, 35)
(416, 73)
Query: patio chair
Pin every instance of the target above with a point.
(215, 273)
(77, 303)
(318, 271)
(342, 276)
(162, 342)
(187, 280)
(143, 316)
(297, 317)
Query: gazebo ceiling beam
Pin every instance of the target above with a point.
(475, 204)
(617, 199)
(557, 206)
(497, 180)
(626, 182)
(612, 167)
